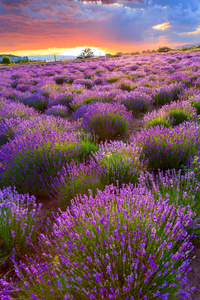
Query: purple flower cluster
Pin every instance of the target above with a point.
(79, 179)
(120, 161)
(168, 93)
(19, 215)
(107, 120)
(10, 109)
(118, 244)
(33, 162)
(35, 100)
(45, 124)
(62, 99)
(135, 101)
(90, 97)
(57, 110)
(171, 114)
(168, 148)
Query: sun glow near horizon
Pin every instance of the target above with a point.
(58, 51)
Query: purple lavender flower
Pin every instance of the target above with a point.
(107, 120)
(120, 243)
(168, 148)
(57, 110)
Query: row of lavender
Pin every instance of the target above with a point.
(127, 233)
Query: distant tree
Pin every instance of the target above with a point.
(87, 52)
(164, 49)
(6, 60)
(118, 54)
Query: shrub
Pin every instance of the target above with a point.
(195, 102)
(62, 99)
(118, 244)
(59, 80)
(6, 60)
(79, 113)
(178, 188)
(32, 163)
(168, 93)
(120, 162)
(125, 85)
(35, 100)
(57, 110)
(107, 120)
(7, 129)
(45, 124)
(171, 114)
(79, 179)
(18, 223)
(13, 110)
(91, 97)
(87, 82)
(168, 148)
(112, 78)
(135, 101)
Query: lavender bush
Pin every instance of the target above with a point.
(7, 129)
(10, 109)
(171, 114)
(168, 148)
(35, 100)
(62, 99)
(79, 179)
(120, 161)
(135, 101)
(88, 97)
(57, 110)
(18, 223)
(178, 188)
(125, 84)
(45, 124)
(120, 244)
(195, 102)
(107, 120)
(32, 163)
(167, 94)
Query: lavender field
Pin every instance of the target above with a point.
(93, 206)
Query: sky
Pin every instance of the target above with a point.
(33, 27)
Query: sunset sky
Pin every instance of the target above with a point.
(33, 27)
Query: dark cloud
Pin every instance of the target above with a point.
(14, 3)
(122, 22)
(137, 2)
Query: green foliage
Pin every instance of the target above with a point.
(121, 163)
(79, 179)
(158, 122)
(195, 102)
(168, 148)
(112, 79)
(6, 60)
(17, 223)
(35, 170)
(86, 53)
(164, 49)
(178, 117)
(108, 126)
(60, 80)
